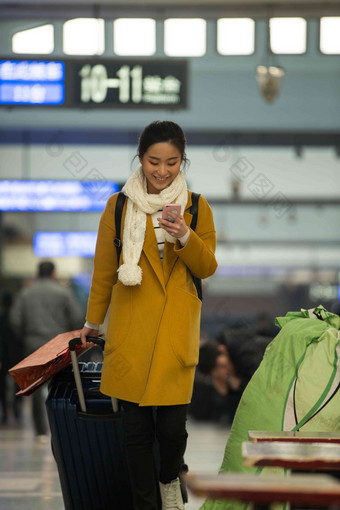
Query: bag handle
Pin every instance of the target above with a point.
(72, 346)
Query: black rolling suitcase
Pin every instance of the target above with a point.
(87, 439)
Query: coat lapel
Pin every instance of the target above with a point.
(150, 249)
(170, 257)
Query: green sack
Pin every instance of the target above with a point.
(296, 387)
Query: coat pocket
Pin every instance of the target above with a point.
(120, 317)
(184, 327)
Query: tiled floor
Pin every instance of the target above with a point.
(29, 477)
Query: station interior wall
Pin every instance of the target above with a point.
(258, 250)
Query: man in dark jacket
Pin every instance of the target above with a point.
(40, 312)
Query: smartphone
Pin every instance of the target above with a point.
(173, 208)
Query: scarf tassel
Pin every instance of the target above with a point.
(130, 274)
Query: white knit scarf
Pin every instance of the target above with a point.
(139, 204)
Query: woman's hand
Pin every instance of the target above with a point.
(87, 332)
(176, 229)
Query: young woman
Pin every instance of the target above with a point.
(152, 341)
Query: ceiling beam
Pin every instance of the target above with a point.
(164, 3)
(214, 138)
(159, 10)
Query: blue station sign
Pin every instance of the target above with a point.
(30, 82)
(55, 195)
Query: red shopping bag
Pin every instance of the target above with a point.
(45, 362)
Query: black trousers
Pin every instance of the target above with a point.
(142, 425)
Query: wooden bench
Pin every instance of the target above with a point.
(292, 455)
(298, 489)
(296, 436)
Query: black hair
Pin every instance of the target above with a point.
(237, 341)
(209, 353)
(245, 349)
(45, 269)
(162, 131)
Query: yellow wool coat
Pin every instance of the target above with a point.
(152, 341)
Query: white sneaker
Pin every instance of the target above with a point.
(171, 495)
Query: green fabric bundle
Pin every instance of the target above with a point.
(296, 387)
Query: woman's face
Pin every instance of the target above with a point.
(161, 164)
(223, 368)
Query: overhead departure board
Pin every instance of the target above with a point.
(94, 83)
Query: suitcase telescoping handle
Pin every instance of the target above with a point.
(72, 346)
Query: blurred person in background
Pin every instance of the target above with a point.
(40, 312)
(3, 400)
(11, 351)
(335, 307)
(264, 326)
(225, 367)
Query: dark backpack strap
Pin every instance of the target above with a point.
(118, 222)
(194, 211)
